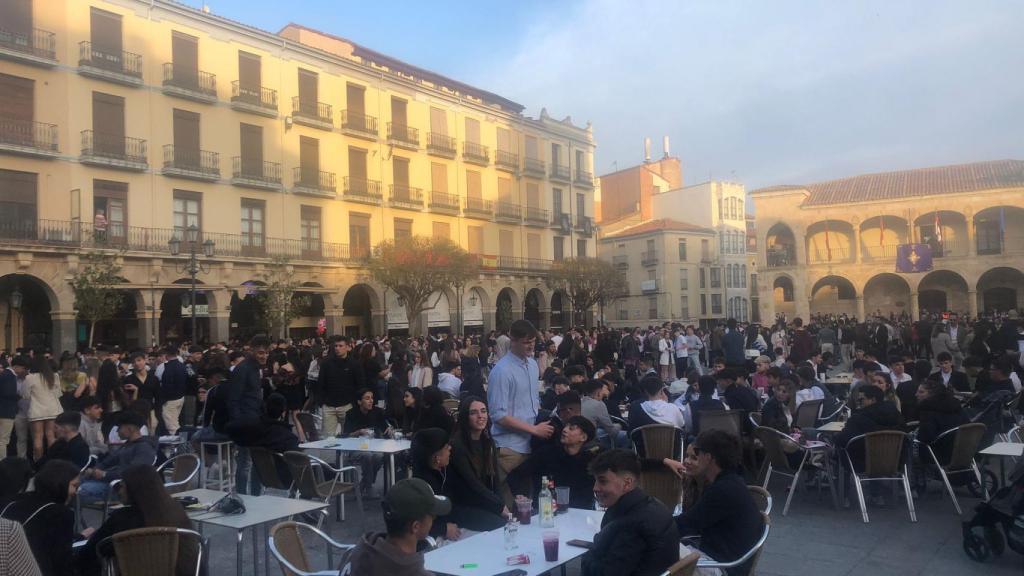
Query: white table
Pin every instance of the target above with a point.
(259, 511)
(487, 549)
(1004, 450)
(375, 446)
(832, 427)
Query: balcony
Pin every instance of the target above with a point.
(441, 145)
(507, 161)
(190, 84)
(37, 47)
(534, 167)
(536, 216)
(561, 222)
(114, 151)
(781, 257)
(512, 264)
(118, 67)
(585, 224)
(313, 114)
(261, 175)
(584, 178)
(953, 248)
(620, 261)
(362, 190)
(479, 208)
(28, 138)
(886, 253)
(358, 125)
(254, 99)
(81, 235)
(560, 173)
(833, 255)
(444, 203)
(509, 212)
(190, 163)
(648, 286)
(476, 153)
(402, 136)
(400, 196)
(313, 182)
(649, 257)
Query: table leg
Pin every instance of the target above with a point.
(266, 548)
(238, 553)
(255, 550)
(391, 470)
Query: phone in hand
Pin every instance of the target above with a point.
(580, 544)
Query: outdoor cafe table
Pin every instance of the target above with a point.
(485, 553)
(259, 511)
(1004, 450)
(373, 445)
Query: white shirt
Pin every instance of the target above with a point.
(682, 347)
(812, 393)
(904, 378)
(449, 383)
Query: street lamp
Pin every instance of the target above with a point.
(192, 266)
(16, 299)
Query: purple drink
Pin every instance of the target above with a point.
(524, 509)
(550, 545)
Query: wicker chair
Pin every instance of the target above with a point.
(265, 463)
(285, 543)
(658, 441)
(685, 567)
(808, 413)
(746, 564)
(151, 551)
(105, 506)
(183, 468)
(762, 498)
(309, 474)
(885, 458)
(308, 421)
(729, 420)
(451, 405)
(966, 439)
(663, 484)
(774, 442)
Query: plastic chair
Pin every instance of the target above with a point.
(778, 461)
(685, 566)
(310, 426)
(966, 439)
(752, 556)
(658, 441)
(884, 459)
(285, 543)
(730, 421)
(310, 481)
(150, 551)
(762, 498)
(808, 413)
(184, 468)
(265, 463)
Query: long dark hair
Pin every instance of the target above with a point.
(463, 435)
(144, 489)
(411, 416)
(109, 386)
(51, 482)
(41, 365)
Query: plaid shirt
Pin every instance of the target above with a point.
(15, 554)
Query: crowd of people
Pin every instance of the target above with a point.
(531, 405)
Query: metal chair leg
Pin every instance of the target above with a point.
(860, 498)
(981, 482)
(949, 488)
(908, 495)
(767, 476)
(792, 489)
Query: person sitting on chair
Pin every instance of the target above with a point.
(656, 409)
(954, 379)
(565, 463)
(137, 449)
(70, 445)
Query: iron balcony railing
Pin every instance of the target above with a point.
(121, 62)
(620, 261)
(473, 152)
(154, 240)
(874, 253)
(314, 179)
(649, 257)
(509, 210)
(534, 167)
(444, 200)
(538, 215)
(402, 195)
(188, 78)
(40, 43)
(513, 263)
(505, 159)
(28, 134)
(559, 172)
(441, 144)
(319, 111)
(203, 162)
(254, 95)
(114, 147)
(362, 188)
(584, 177)
(358, 123)
(403, 134)
(256, 170)
(479, 205)
(832, 254)
(781, 257)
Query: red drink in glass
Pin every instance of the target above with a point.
(550, 545)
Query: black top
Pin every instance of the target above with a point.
(773, 415)
(244, 391)
(699, 405)
(742, 398)
(75, 451)
(725, 517)
(339, 379)
(936, 415)
(174, 380)
(50, 530)
(149, 389)
(119, 520)
(435, 417)
(472, 377)
(356, 419)
(8, 394)
(565, 470)
(637, 538)
(471, 481)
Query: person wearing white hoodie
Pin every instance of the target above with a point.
(450, 380)
(656, 409)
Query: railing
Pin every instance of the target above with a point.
(41, 43)
(114, 146)
(473, 152)
(620, 261)
(505, 159)
(560, 172)
(405, 195)
(538, 215)
(403, 134)
(314, 179)
(441, 144)
(362, 188)
(948, 248)
(254, 95)
(649, 257)
(509, 210)
(561, 220)
(188, 78)
(534, 166)
(479, 205)
(122, 62)
(319, 111)
(444, 200)
(360, 123)
(512, 263)
(154, 240)
(259, 171)
(584, 177)
(781, 258)
(819, 255)
(203, 162)
(878, 253)
(28, 134)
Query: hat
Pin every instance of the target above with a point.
(412, 499)
(762, 359)
(678, 386)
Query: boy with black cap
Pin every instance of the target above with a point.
(409, 511)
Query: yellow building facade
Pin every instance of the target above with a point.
(831, 247)
(124, 122)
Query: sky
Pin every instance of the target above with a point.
(759, 92)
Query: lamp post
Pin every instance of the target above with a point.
(192, 266)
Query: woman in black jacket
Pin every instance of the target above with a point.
(412, 401)
(473, 474)
(48, 521)
(431, 452)
(432, 411)
(937, 411)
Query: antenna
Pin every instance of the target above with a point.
(664, 145)
(647, 150)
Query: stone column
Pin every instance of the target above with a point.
(860, 307)
(333, 316)
(220, 325)
(972, 302)
(972, 243)
(915, 313)
(149, 316)
(378, 323)
(65, 336)
(856, 244)
(490, 319)
(545, 317)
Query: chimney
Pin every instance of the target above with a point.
(664, 144)
(647, 150)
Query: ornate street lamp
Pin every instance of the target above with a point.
(16, 299)
(192, 266)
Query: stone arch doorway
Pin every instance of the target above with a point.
(358, 306)
(532, 306)
(175, 324)
(505, 306)
(942, 291)
(25, 306)
(780, 246)
(1000, 290)
(834, 295)
(783, 294)
(886, 294)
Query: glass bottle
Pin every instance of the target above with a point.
(545, 506)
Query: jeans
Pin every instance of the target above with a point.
(369, 465)
(247, 481)
(620, 440)
(682, 364)
(93, 491)
(6, 427)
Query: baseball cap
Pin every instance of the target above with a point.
(412, 499)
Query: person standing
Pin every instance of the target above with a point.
(172, 391)
(340, 377)
(513, 401)
(244, 401)
(9, 398)
(42, 387)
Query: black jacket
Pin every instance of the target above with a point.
(355, 420)
(8, 394)
(742, 398)
(773, 415)
(637, 538)
(173, 381)
(878, 416)
(936, 415)
(472, 486)
(75, 451)
(565, 470)
(638, 417)
(436, 417)
(438, 483)
(725, 517)
(472, 377)
(551, 417)
(50, 530)
(244, 392)
(699, 405)
(121, 519)
(339, 379)
(957, 380)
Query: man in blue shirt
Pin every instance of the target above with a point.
(513, 400)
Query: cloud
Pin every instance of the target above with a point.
(772, 92)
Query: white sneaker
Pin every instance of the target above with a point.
(213, 470)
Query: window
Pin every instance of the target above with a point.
(506, 243)
(475, 236)
(399, 115)
(730, 309)
(532, 148)
(186, 138)
(684, 304)
(705, 250)
(438, 177)
(252, 225)
(355, 98)
(505, 190)
(556, 201)
(716, 303)
(473, 130)
(652, 274)
(532, 195)
(623, 313)
(17, 100)
(703, 305)
(682, 249)
(442, 230)
(533, 246)
(108, 125)
(400, 177)
(309, 93)
(357, 167)
(743, 276)
(111, 198)
(359, 234)
(251, 161)
(18, 200)
(309, 161)
(556, 154)
(504, 140)
(187, 211)
(716, 277)
(652, 308)
(474, 187)
(438, 121)
(581, 161)
(581, 248)
(309, 225)
(728, 276)
(684, 279)
(105, 35)
(250, 77)
(703, 281)
(581, 207)
(989, 237)
(403, 228)
(185, 58)
(558, 249)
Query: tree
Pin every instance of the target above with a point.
(277, 297)
(587, 282)
(95, 287)
(415, 268)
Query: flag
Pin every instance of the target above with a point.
(913, 258)
(1002, 227)
(828, 248)
(881, 233)
(938, 228)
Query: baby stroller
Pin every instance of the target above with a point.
(998, 522)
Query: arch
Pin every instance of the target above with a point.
(783, 294)
(123, 328)
(942, 291)
(439, 317)
(944, 230)
(29, 325)
(780, 246)
(999, 290)
(505, 305)
(880, 235)
(996, 230)
(358, 306)
(175, 323)
(559, 308)
(886, 293)
(830, 241)
(834, 295)
(474, 300)
(533, 302)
